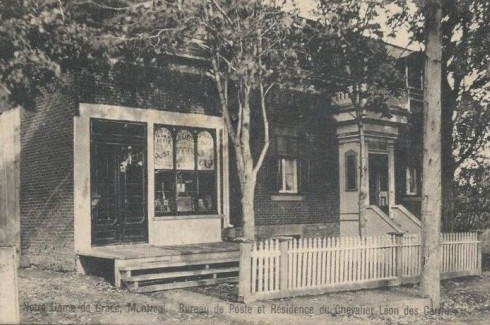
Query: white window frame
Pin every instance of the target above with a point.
(409, 180)
(283, 189)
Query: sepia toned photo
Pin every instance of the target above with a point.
(244, 162)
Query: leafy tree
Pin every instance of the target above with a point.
(249, 47)
(350, 58)
(40, 39)
(472, 189)
(472, 206)
(465, 61)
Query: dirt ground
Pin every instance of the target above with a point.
(65, 298)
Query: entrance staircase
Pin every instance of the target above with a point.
(165, 275)
(147, 268)
(401, 220)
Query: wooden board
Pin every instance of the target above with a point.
(187, 284)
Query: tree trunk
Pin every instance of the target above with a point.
(431, 186)
(363, 176)
(248, 179)
(248, 191)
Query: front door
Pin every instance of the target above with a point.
(378, 181)
(118, 182)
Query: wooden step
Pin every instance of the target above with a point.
(178, 274)
(186, 284)
(165, 264)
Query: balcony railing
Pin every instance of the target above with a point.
(403, 100)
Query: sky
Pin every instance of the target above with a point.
(402, 39)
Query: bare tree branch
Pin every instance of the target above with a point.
(265, 121)
(227, 18)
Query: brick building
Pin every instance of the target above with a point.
(140, 156)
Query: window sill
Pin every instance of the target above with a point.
(288, 197)
(409, 197)
(184, 217)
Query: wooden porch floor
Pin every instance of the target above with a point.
(144, 268)
(137, 251)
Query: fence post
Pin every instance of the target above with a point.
(245, 274)
(480, 250)
(398, 254)
(283, 248)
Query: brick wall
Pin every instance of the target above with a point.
(318, 209)
(47, 212)
(319, 205)
(167, 90)
(46, 199)
(46, 194)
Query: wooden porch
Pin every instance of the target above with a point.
(145, 268)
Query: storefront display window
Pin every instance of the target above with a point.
(185, 178)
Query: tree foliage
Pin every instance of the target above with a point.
(248, 48)
(465, 62)
(40, 39)
(349, 57)
(472, 206)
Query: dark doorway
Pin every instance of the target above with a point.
(118, 182)
(378, 181)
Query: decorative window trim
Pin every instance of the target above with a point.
(351, 154)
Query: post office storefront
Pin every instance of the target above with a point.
(144, 176)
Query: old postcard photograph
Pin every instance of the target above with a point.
(244, 162)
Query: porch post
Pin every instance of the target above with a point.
(398, 255)
(283, 247)
(391, 177)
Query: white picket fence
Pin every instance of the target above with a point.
(287, 267)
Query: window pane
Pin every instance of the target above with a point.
(185, 150)
(164, 191)
(186, 191)
(205, 151)
(207, 191)
(351, 172)
(411, 180)
(164, 148)
(289, 175)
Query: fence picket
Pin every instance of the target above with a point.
(336, 261)
(319, 263)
